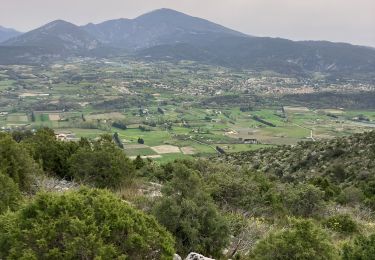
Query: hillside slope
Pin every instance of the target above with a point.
(57, 36)
(350, 158)
(163, 26)
(7, 33)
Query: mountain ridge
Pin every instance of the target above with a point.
(166, 34)
(57, 35)
(7, 33)
(154, 28)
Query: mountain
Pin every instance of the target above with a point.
(166, 34)
(262, 53)
(163, 26)
(7, 33)
(56, 37)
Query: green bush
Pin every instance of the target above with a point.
(304, 200)
(103, 166)
(17, 163)
(361, 248)
(188, 212)
(86, 224)
(52, 154)
(10, 195)
(303, 240)
(342, 224)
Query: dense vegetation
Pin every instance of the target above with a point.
(86, 224)
(310, 201)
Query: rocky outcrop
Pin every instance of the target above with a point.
(196, 256)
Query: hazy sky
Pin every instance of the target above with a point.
(335, 20)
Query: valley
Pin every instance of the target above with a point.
(195, 109)
(168, 136)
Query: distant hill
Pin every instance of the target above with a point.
(7, 33)
(280, 55)
(163, 26)
(56, 37)
(166, 34)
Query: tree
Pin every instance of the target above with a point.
(19, 136)
(361, 248)
(52, 154)
(16, 163)
(85, 224)
(117, 140)
(303, 240)
(304, 200)
(188, 212)
(104, 165)
(138, 162)
(10, 195)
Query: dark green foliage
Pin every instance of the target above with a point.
(337, 166)
(160, 110)
(19, 136)
(342, 223)
(362, 248)
(244, 190)
(303, 240)
(16, 163)
(303, 200)
(124, 102)
(188, 212)
(10, 195)
(141, 141)
(330, 190)
(351, 196)
(138, 162)
(118, 141)
(260, 120)
(104, 165)
(52, 154)
(120, 125)
(88, 224)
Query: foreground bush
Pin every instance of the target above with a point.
(103, 166)
(10, 195)
(361, 248)
(302, 241)
(188, 212)
(342, 223)
(88, 224)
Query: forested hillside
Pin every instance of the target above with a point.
(87, 199)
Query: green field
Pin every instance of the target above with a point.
(163, 99)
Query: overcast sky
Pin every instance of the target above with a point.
(335, 20)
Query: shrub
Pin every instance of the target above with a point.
(361, 248)
(304, 200)
(17, 163)
(86, 224)
(104, 166)
(188, 212)
(342, 224)
(303, 240)
(10, 195)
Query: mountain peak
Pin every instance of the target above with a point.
(58, 35)
(163, 11)
(164, 14)
(58, 24)
(7, 33)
